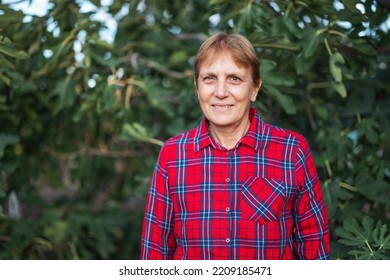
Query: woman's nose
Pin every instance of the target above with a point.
(221, 89)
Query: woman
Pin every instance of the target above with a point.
(234, 187)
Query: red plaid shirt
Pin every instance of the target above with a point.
(260, 200)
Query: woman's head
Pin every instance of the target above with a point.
(237, 45)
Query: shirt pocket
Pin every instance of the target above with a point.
(262, 199)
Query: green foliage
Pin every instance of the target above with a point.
(83, 115)
(368, 242)
(5, 140)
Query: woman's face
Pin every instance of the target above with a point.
(225, 91)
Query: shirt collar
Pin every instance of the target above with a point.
(253, 137)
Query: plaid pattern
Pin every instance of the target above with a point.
(260, 200)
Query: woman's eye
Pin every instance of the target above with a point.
(208, 78)
(235, 79)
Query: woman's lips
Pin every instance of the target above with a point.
(222, 107)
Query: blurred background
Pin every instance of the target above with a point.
(90, 90)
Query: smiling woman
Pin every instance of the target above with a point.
(225, 91)
(234, 187)
(227, 80)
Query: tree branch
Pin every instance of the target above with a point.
(135, 59)
(87, 151)
(192, 36)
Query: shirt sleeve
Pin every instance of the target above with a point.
(311, 232)
(158, 242)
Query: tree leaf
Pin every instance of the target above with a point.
(267, 66)
(284, 100)
(314, 38)
(368, 127)
(340, 88)
(6, 140)
(334, 60)
(352, 234)
(108, 99)
(380, 238)
(277, 79)
(9, 50)
(367, 242)
(177, 58)
(139, 132)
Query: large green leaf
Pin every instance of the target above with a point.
(367, 242)
(353, 234)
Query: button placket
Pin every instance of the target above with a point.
(230, 185)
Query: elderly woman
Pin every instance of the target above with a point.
(234, 187)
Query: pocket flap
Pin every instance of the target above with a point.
(262, 199)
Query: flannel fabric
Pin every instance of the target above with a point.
(260, 200)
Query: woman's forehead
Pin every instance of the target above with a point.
(214, 55)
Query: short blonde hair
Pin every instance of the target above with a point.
(239, 47)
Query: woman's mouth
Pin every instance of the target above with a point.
(222, 107)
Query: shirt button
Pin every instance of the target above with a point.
(227, 240)
(228, 180)
(227, 209)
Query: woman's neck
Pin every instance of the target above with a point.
(228, 137)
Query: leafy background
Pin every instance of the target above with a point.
(83, 113)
